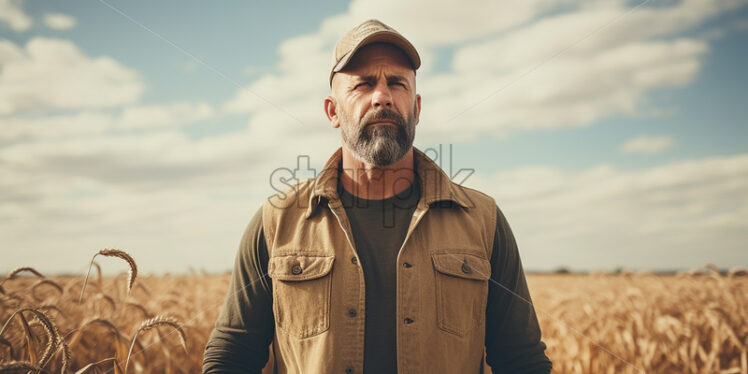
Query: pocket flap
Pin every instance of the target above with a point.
(299, 267)
(462, 265)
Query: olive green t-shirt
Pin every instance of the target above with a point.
(379, 228)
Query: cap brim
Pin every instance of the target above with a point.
(381, 36)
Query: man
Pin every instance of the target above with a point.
(380, 264)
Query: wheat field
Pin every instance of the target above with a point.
(695, 322)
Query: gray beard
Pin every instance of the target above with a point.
(377, 145)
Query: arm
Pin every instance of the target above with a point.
(513, 342)
(245, 327)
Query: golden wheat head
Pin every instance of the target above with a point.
(132, 272)
(153, 323)
(14, 273)
(52, 332)
(20, 366)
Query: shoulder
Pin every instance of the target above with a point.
(254, 231)
(482, 210)
(474, 198)
(477, 203)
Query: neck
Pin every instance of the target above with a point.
(376, 182)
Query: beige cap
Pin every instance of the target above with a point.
(368, 32)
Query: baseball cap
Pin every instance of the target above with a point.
(368, 32)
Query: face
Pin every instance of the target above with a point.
(375, 105)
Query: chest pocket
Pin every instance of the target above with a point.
(461, 291)
(301, 293)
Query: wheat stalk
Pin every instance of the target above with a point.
(42, 282)
(107, 298)
(132, 272)
(95, 365)
(14, 273)
(66, 355)
(98, 274)
(45, 307)
(101, 321)
(139, 307)
(49, 328)
(15, 366)
(153, 323)
(10, 346)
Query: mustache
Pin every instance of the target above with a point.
(383, 114)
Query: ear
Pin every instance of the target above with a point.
(330, 111)
(418, 108)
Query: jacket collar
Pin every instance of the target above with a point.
(434, 182)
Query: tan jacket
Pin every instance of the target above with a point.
(318, 283)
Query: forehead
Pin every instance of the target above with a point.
(377, 56)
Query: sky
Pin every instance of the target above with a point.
(612, 134)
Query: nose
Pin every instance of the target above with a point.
(381, 96)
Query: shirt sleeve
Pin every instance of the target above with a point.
(513, 338)
(244, 329)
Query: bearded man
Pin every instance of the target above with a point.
(380, 264)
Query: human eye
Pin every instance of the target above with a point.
(398, 82)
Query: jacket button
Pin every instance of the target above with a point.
(296, 269)
(466, 268)
(348, 370)
(407, 264)
(352, 313)
(354, 260)
(408, 321)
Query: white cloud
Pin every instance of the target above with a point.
(647, 144)
(584, 89)
(59, 21)
(441, 23)
(81, 123)
(12, 14)
(540, 65)
(678, 215)
(55, 74)
(152, 116)
(87, 123)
